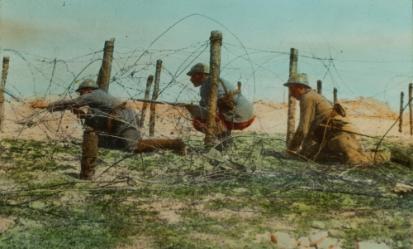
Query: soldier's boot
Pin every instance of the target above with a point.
(89, 154)
(149, 145)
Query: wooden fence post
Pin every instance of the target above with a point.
(335, 95)
(149, 82)
(411, 108)
(4, 74)
(215, 65)
(155, 95)
(319, 87)
(105, 69)
(90, 137)
(292, 102)
(401, 112)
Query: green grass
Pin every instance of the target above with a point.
(204, 200)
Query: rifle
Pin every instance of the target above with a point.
(162, 102)
(350, 132)
(193, 109)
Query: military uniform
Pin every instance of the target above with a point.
(108, 123)
(323, 135)
(238, 117)
(319, 133)
(115, 124)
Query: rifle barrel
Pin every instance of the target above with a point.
(162, 102)
(351, 132)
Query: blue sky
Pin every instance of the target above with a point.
(370, 43)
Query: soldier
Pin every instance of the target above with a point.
(235, 112)
(113, 122)
(323, 133)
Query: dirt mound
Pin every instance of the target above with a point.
(368, 108)
(369, 115)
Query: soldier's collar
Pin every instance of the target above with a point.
(305, 93)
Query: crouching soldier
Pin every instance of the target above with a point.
(323, 133)
(111, 120)
(235, 112)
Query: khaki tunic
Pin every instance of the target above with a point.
(318, 143)
(314, 109)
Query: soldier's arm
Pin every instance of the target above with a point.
(71, 104)
(205, 89)
(306, 114)
(62, 105)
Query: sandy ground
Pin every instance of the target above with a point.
(368, 115)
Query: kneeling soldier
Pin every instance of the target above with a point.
(323, 133)
(113, 122)
(235, 112)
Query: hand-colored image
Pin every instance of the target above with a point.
(206, 124)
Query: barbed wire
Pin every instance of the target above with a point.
(128, 78)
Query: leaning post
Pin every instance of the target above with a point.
(149, 82)
(155, 95)
(292, 102)
(401, 112)
(4, 74)
(335, 95)
(319, 87)
(90, 137)
(411, 108)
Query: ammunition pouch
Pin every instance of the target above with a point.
(102, 121)
(227, 102)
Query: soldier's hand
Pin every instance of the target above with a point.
(78, 112)
(39, 104)
(226, 103)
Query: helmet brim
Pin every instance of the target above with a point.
(288, 84)
(94, 88)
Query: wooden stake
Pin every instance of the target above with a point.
(215, 65)
(155, 95)
(411, 108)
(4, 74)
(401, 112)
(90, 138)
(105, 69)
(239, 85)
(149, 82)
(335, 95)
(292, 102)
(319, 87)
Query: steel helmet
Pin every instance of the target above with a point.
(87, 84)
(199, 68)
